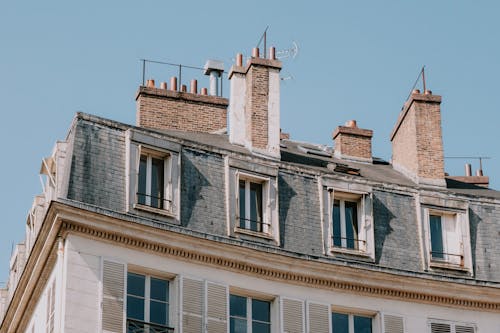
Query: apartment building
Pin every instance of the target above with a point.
(205, 217)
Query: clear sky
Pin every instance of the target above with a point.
(357, 60)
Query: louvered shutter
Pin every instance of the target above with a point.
(318, 318)
(393, 324)
(464, 329)
(174, 179)
(216, 319)
(440, 328)
(113, 291)
(292, 315)
(192, 306)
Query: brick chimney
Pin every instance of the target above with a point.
(162, 108)
(254, 104)
(353, 143)
(417, 143)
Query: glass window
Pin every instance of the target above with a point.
(345, 224)
(446, 242)
(248, 315)
(436, 237)
(147, 303)
(151, 185)
(251, 205)
(348, 323)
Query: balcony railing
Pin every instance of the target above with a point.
(137, 326)
(254, 225)
(154, 201)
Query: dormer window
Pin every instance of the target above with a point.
(346, 224)
(251, 205)
(154, 180)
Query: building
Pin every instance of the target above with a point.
(184, 224)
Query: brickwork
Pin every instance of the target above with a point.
(164, 109)
(257, 104)
(417, 144)
(353, 142)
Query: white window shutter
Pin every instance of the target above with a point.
(175, 165)
(113, 291)
(318, 318)
(464, 329)
(292, 315)
(216, 309)
(440, 328)
(393, 324)
(192, 306)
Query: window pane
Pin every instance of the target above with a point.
(351, 221)
(135, 284)
(340, 323)
(242, 204)
(337, 238)
(238, 306)
(159, 289)
(135, 308)
(436, 237)
(362, 324)
(158, 312)
(141, 186)
(258, 327)
(261, 310)
(237, 325)
(256, 206)
(157, 182)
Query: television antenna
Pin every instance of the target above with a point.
(291, 52)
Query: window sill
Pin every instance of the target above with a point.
(342, 250)
(253, 233)
(154, 210)
(448, 265)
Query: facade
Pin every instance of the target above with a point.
(183, 223)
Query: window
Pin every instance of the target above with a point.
(346, 231)
(153, 184)
(350, 223)
(446, 242)
(251, 208)
(152, 175)
(147, 304)
(348, 323)
(440, 326)
(249, 315)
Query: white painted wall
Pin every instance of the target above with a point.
(82, 296)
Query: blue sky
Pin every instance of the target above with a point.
(357, 60)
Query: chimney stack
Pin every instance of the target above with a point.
(417, 144)
(353, 143)
(254, 104)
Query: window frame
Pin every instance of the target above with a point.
(364, 211)
(249, 314)
(460, 260)
(151, 153)
(139, 143)
(147, 299)
(267, 227)
(350, 319)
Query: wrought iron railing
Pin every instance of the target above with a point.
(354, 240)
(137, 326)
(162, 202)
(259, 225)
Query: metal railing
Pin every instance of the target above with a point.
(138, 326)
(260, 225)
(141, 199)
(355, 240)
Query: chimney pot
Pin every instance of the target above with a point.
(163, 85)
(239, 59)
(479, 172)
(416, 91)
(272, 53)
(151, 83)
(468, 170)
(428, 92)
(255, 52)
(173, 83)
(351, 123)
(204, 91)
(194, 87)
(184, 88)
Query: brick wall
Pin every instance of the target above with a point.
(417, 145)
(165, 109)
(351, 141)
(257, 103)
